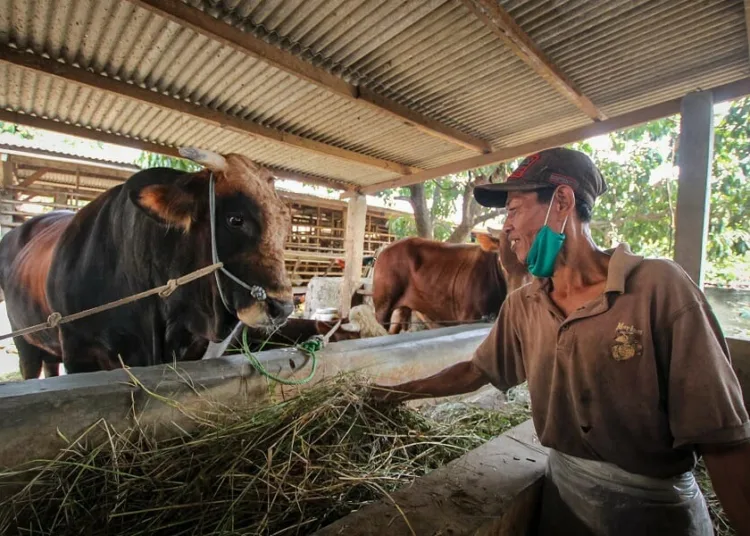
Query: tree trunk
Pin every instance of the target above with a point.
(460, 234)
(469, 208)
(472, 213)
(422, 215)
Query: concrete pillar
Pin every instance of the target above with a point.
(354, 247)
(695, 156)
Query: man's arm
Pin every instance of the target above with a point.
(497, 360)
(457, 379)
(729, 469)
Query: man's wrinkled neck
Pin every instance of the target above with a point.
(581, 263)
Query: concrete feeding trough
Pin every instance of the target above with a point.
(37, 412)
(494, 489)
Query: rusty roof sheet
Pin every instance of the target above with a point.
(432, 56)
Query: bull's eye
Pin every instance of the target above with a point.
(235, 220)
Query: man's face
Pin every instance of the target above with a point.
(525, 217)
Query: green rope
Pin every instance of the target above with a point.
(310, 347)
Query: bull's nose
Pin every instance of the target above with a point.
(279, 309)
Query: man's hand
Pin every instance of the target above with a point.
(458, 379)
(729, 469)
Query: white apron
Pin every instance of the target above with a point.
(592, 498)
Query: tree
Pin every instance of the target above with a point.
(639, 207)
(435, 202)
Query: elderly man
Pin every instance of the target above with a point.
(628, 370)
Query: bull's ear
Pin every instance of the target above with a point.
(169, 204)
(488, 243)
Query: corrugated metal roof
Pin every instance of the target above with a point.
(433, 56)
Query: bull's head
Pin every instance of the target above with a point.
(251, 225)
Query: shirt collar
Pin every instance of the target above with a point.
(621, 264)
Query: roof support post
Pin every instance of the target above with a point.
(354, 247)
(693, 194)
(6, 179)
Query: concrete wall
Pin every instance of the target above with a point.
(494, 489)
(34, 411)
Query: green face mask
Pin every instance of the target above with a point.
(545, 249)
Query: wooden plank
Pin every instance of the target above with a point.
(50, 204)
(502, 24)
(23, 155)
(31, 179)
(722, 93)
(354, 244)
(6, 172)
(693, 193)
(37, 164)
(116, 139)
(112, 86)
(213, 28)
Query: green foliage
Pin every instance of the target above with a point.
(150, 160)
(640, 204)
(444, 198)
(18, 130)
(403, 226)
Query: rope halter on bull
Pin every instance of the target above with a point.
(309, 347)
(256, 291)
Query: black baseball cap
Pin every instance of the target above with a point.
(545, 169)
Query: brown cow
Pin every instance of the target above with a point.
(446, 283)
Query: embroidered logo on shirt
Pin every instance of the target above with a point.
(627, 342)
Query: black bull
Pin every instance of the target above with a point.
(134, 237)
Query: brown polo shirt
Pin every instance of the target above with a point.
(637, 377)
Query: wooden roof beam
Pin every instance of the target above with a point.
(204, 24)
(726, 92)
(106, 137)
(24, 157)
(502, 24)
(31, 179)
(747, 24)
(76, 75)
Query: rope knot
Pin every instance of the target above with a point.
(258, 293)
(170, 287)
(53, 320)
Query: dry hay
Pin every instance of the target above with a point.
(718, 517)
(289, 468)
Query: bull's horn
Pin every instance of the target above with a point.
(208, 159)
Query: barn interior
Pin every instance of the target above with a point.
(359, 97)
